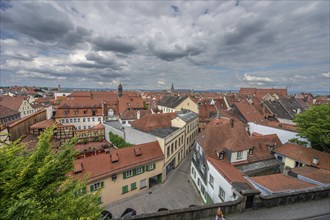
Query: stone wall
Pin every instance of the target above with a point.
(197, 212)
(292, 197)
(237, 206)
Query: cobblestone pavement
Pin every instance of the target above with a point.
(177, 192)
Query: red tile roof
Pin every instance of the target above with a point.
(132, 114)
(219, 135)
(305, 155)
(320, 175)
(281, 183)
(7, 112)
(229, 172)
(154, 121)
(261, 92)
(261, 147)
(45, 124)
(126, 102)
(250, 113)
(12, 102)
(101, 165)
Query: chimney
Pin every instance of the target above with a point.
(138, 115)
(218, 113)
(231, 122)
(315, 160)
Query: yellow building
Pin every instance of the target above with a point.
(177, 103)
(122, 173)
(293, 155)
(175, 133)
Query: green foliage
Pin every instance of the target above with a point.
(145, 105)
(36, 185)
(118, 141)
(297, 141)
(314, 124)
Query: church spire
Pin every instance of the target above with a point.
(172, 88)
(120, 90)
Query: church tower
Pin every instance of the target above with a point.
(172, 88)
(120, 90)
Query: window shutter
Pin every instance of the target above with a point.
(143, 168)
(91, 188)
(124, 175)
(134, 172)
(102, 184)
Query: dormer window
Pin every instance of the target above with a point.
(239, 155)
(221, 155)
(251, 151)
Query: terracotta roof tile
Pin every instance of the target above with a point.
(305, 155)
(250, 113)
(229, 172)
(261, 92)
(281, 183)
(6, 112)
(261, 147)
(219, 135)
(320, 175)
(12, 102)
(45, 124)
(154, 121)
(101, 166)
(132, 114)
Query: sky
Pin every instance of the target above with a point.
(200, 45)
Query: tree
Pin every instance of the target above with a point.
(118, 141)
(36, 185)
(314, 124)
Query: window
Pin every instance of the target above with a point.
(114, 177)
(143, 184)
(198, 182)
(222, 194)
(66, 120)
(84, 127)
(203, 190)
(99, 119)
(239, 155)
(133, 186)
(96, 186)
(192, 170)
(124, 189)
(93, 119)
(70, 120)
(84, 119)
(172, 148)
(78, 119)
(88, 119)
(150, 167)
(79, 127)
(139, 170)
(128, 173)
(74, 120)
(298, 164)
(251, 151)
(168, 151)
(280, 158)
(211, 181)
(203, 168)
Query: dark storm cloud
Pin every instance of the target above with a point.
(244, 30)
(116, 44)
(40, 21)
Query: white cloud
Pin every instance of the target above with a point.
(326, 75)
(259, 79)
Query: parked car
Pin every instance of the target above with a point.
(129, 212)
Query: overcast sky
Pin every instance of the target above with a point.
(150, 45)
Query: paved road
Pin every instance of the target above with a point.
(312, 210)
(177, 192)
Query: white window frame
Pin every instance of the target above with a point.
(222, 194)
(151, 166)
(129, 173)
(211, 181)
(139, 170)
(96, 186)
(239, 155)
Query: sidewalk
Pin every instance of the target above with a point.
(303, 210)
